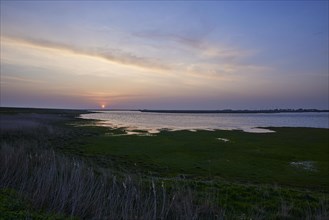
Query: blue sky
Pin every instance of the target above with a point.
(165, 55)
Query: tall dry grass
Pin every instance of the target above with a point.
(59, 184)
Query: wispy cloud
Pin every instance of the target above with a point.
(201, 46)
(155, 34)
(106, 95)
(5, 79)
(207, 60)
(225, 72)
(113, 55)
(208, 63)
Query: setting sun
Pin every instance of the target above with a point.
(103, 106)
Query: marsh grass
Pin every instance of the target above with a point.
(262, 158)
(34, 170)
(59, 184)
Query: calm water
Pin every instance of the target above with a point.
(153, 122)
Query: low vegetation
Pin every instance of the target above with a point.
(59, 167)
(261, 158)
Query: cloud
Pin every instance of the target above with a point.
(199, 44)
(113, 55)
(207, 62)
(4, 79)
(106, 96)
(154, 34)
(226, 72)
(203, 59)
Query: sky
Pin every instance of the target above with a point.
(164, 55)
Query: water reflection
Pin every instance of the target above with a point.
(154, 122)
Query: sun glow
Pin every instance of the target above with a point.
(102, 106)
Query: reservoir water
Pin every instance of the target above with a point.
(250, 122)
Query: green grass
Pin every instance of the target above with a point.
(14, 206)
(254, 157)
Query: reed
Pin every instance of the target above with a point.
(59, 184)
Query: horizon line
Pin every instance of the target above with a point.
(165, 110)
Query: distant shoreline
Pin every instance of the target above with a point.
(85, 111)
(237, 111)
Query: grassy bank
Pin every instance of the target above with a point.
(56, 167)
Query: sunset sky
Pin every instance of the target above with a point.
(165, 55)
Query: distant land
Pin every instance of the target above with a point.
(54, 110)
(237, 111)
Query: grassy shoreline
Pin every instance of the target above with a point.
(154, 169)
